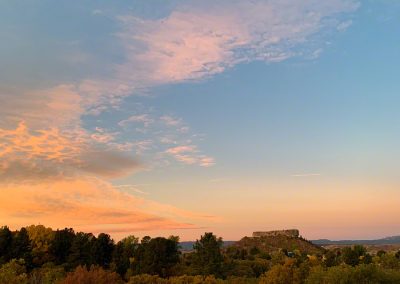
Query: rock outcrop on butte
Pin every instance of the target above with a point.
(289, 233)
(273, 241)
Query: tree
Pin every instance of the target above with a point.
(282, 274)
(5, 244)
(156, 256)
(80, 251)
(355, 255)
(61, 245)
(124, 253)
(41, 238)
(102, 250)
(21, 246)
(207, 256)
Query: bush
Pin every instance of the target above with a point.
(47, 274)
(346, 274)
(96, 275)
(14, 272)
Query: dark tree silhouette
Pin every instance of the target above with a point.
(61, 245)
(156, 256)
(208, 257)
(102, 250)
(5, 244)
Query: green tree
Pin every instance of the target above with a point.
(6, 238)
(80, 251)
(156, 256)
(288, 272)
(21, 247)
(124, 254)
(355, 255)
(102, 250)
(61, 245)
(207, 257)
(41, 239)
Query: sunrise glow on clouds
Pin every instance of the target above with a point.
(67, 148)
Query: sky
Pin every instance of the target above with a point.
(181, 117)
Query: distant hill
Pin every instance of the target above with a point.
(385, 241)
(188, 246)
(271, 244)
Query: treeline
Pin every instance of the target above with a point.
(38, 255)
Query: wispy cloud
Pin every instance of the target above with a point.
(189, 154)
(142, 118)
(199, 40)
(306, 175)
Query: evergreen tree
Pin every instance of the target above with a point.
(5, 244)
(124, 253)
(61, 245)
(21, 247)
(102, 250)
(80, 251)
(207, 257)
(156, 256)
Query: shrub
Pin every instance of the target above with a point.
(96, 275)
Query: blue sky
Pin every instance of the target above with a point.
(222, 116)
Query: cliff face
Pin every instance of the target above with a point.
(274, 242)
(289, 233)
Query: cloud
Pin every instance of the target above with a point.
(344, 25)
(143, 118)
(182, 149)
(171, 121)
(89, 205)
(110, 164)
(199, 40)
(306, 175)
(188, 154)
(164, 134)
(31, 156)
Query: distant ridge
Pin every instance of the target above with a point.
(384, 241)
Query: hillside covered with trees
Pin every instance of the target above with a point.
(37, 254)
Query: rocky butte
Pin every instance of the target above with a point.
(289, 233)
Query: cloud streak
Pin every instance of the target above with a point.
(188, 154)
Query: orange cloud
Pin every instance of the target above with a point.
(86, 204)
(27, 156)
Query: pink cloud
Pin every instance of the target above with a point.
(182, 149)
(199, 41)
(188, 154)
(143, 118)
